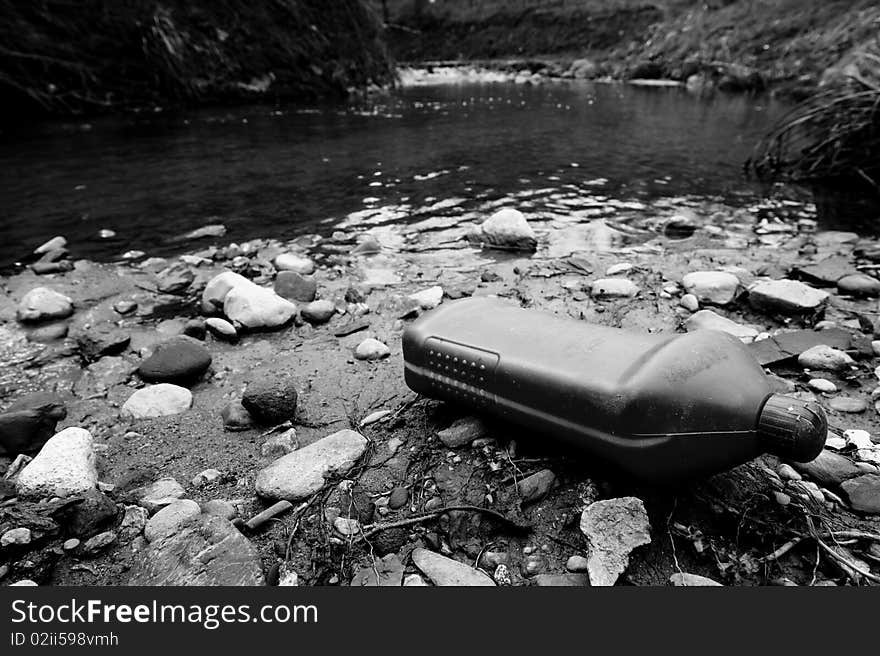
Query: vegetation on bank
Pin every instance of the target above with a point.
(87, 56)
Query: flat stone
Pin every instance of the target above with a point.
(827, 272)
(371, 349)
(180, 360)
(220, 508)
(613, 528)
(398, 498)
(716, 287)
(384, 572)
(786, 297)
(96, 342)
(64, 467)
(536, 486)
(508, 228)
(295, 287)
(208, 551)
(158, 494)
(613, 288)
(847, 404)
(271, 397)
(428, 298)
(709, 320)
(221, 329)
(822, 385)
(98, 543)
(825, 358)
(864, 493)
(318, 311)
(171, 519)
(15, 537)
(570, 580)
(828, 468)
(279, 444)
(683, 579)
(303, 472)
(444, 571)
(462, 432)
(43, 304)
(293, 262)
(160, 400)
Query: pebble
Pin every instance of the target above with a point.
(179, 360)
(822, 385)
(371, 349)
(64, 467)
(689, 302)
(296, 263)
(98, 543)
(170, 519)
(508, 228)
(787, 473)
(54, 244)
(619, 268)
(295, 287)
(272, 397)
(158, 494)
(825, 358)
(279, 444)
(429, 298)
(15, 537)
(160, 400)
(236, 417)
(347, 526)
(318, 311)
(781, 498)
(829, 468)
(134, 520)
(221, 328)
(875, 346)
(206, 477)
(414, 581)
(462, 431)
(502, 575)
(715, 287)
(398, 498)
(859, 284)
(613, 288)
(373, 417)
(785, 296)
(709, 320)
(536, 486)
(577, 564)
(220, 508)
(43, 304)
(613, 528)
(71, 544)
(301, 473)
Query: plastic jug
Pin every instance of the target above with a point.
(663, 407)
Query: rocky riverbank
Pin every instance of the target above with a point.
(237, 414)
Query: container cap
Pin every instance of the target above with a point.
(792, 429)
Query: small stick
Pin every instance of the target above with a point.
(784, 549)
(259, 519)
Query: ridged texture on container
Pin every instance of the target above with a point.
(792, 429)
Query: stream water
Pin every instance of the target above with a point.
(428, 158)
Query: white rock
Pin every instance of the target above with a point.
(64, 467)
(822, 385)
(15, 536)
(444, 571)
(319, 311)
(577, 564)
(717, 287)
(835, 442)
(414, 581)
(221, 328)
(429, 298)
(205, 477)
(253, 306)
(301, 473)
(373, 417)
(279, 444)
(170, 519)
(42, 304)
(508, 228)
(709, 320)
(54, 244)
(825, 358)
(293, 262)
(689, 302)
(161, 400)
(861, 439)
(371, 349)
(613, 288)
(619, 268)
(218, 287)
(23, 583)
(613, 528)
(157, 495)
(786, 296)
(347, 526)
(683, 579)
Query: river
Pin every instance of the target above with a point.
(434, 157)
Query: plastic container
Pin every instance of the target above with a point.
(663, 407)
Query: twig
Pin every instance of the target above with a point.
(376, 528)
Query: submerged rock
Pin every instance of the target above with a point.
(509, 229)
(43, 304)
(444, 571)
(64, 467)
(180, 360)
(161, 400)
(716, 287)
(303, 472)
(613, 528)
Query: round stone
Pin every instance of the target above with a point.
(179, 360)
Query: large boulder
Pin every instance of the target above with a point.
(179, 360)
(64, 467)
(507, 229)
(43, 304)
(302, 473)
